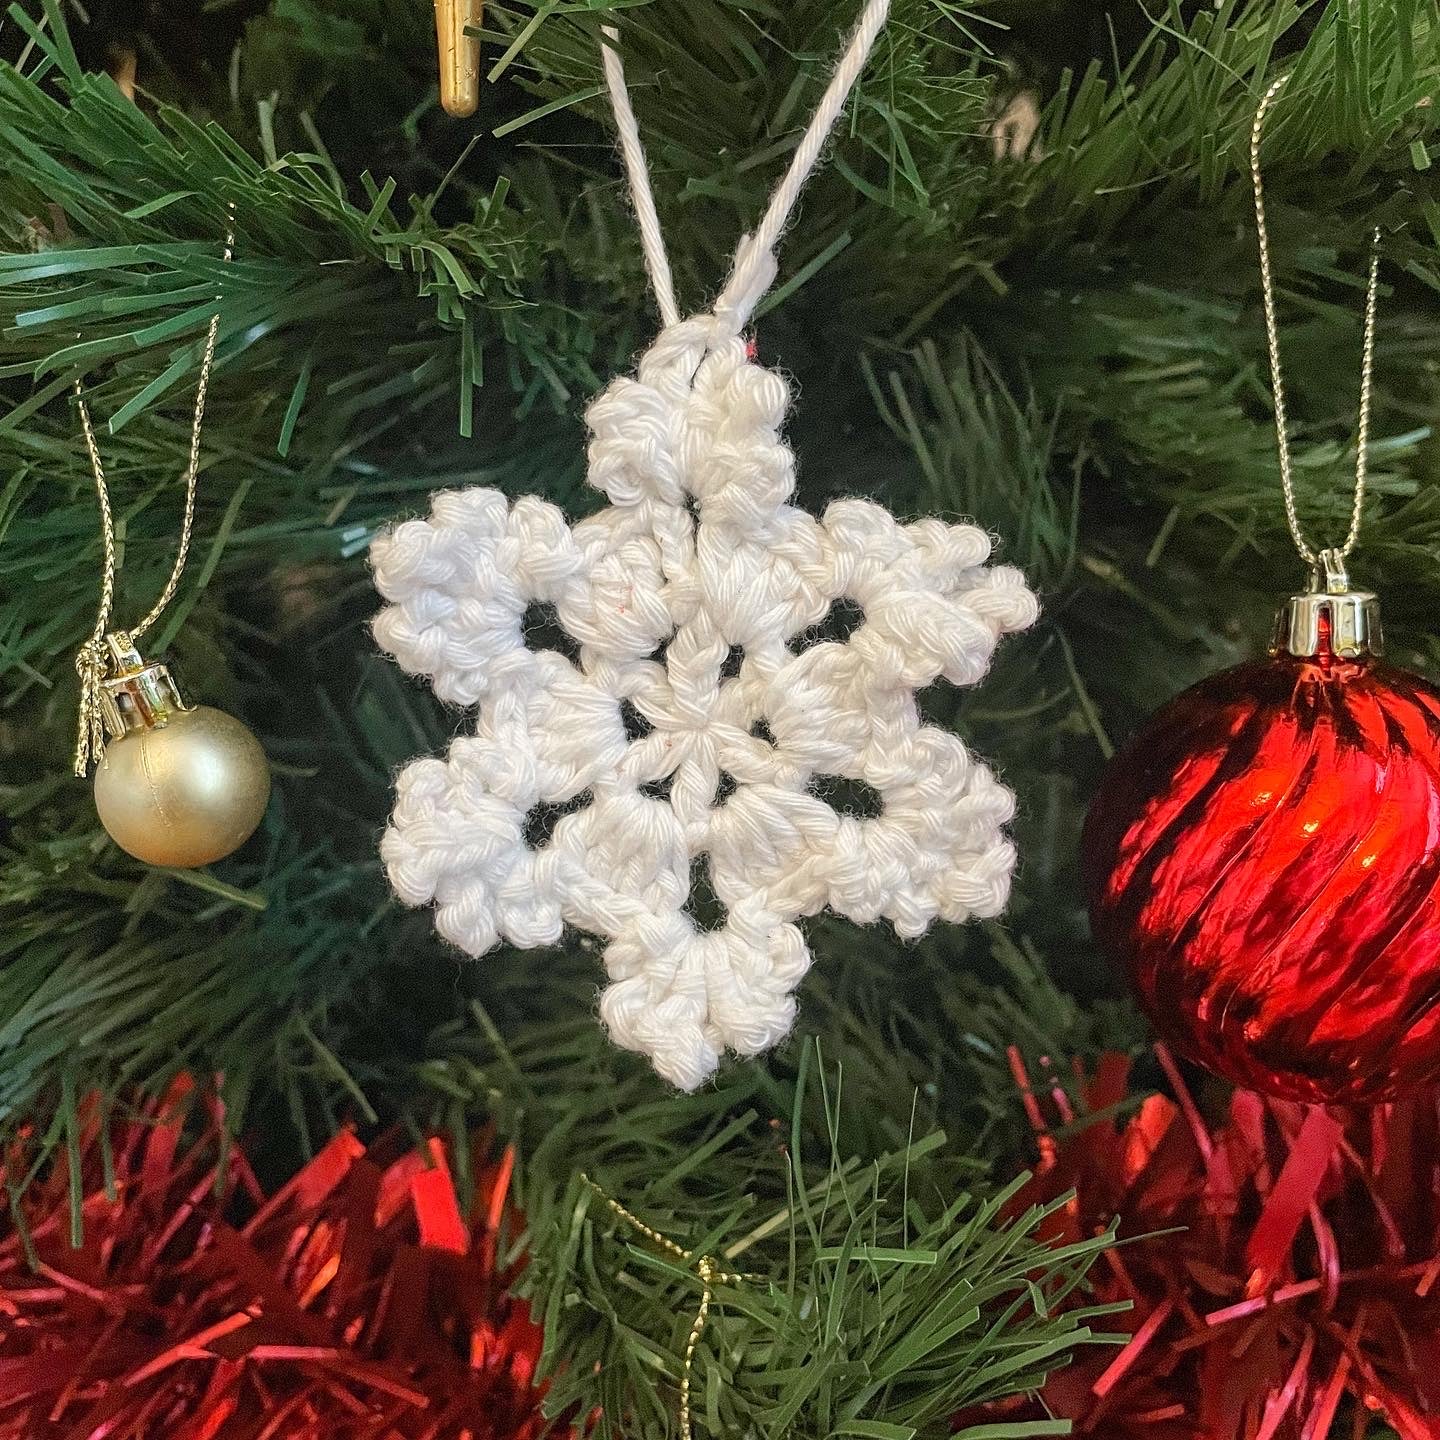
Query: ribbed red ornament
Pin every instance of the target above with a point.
(1264, 860)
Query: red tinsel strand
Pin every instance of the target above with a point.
(356, 1303)
(1289, 1280)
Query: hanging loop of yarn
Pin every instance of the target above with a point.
(695, 736)
(755, 266)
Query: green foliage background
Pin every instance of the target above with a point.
(1063, 341)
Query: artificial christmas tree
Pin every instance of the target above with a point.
(1059, 338)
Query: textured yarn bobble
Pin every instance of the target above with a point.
(690, 598)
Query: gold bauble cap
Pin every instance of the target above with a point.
(1329, 618)
(136, 695)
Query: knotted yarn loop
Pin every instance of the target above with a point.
(755, 266)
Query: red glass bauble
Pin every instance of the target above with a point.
(1264, 860)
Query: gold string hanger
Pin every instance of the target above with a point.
(96, 656)
(1330, 559)
(176, 785)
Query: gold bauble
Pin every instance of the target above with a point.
(184, 793)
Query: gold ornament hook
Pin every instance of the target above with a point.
(1329, 573)
(459, 55)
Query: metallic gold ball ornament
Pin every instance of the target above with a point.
(176, 786)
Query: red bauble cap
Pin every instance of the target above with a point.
(1264, 860)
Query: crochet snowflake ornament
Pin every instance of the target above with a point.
(698, 723)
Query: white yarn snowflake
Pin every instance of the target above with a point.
(662, 750)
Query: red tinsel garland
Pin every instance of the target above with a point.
(356, 1303)
(1297, 1278)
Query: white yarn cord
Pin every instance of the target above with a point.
(701, 722)
(754, 270)
(656, 260)
(755, 261)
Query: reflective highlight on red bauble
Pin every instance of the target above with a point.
(1264, 860)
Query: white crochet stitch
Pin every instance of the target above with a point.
(697, 721)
